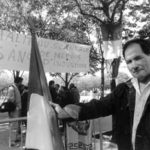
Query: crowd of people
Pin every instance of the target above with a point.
(18, 94)
(63, 95)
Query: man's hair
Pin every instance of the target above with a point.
(18, 79)
(145, 45)
(72, 85)
(51, 82)
(57, 85)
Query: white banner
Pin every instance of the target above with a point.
(56, 56)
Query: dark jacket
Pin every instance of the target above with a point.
(65, 98)
(75, 95)
(53, 93)
(24, 103)
(121, 103)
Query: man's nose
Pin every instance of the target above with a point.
(134, 65)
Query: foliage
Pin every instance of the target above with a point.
(136, 20)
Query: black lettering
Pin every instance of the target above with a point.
(70, 145)
(46, 58)
(12, 55)
(76, 145)
(21, 56)
(80, 145)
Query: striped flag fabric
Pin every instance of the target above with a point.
(42, 126)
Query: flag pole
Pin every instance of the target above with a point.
(65, 135)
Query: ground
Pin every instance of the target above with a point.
(4, 134)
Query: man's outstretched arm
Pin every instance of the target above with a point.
(69, 111)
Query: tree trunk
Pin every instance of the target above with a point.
(115, 67)
(66, 80)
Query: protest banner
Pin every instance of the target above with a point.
(56, 55)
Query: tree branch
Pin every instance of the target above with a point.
(114, 10)
(122, 8)
(72, 76)
(58, 74)
(106, 9)
(87, 14)
(110, 2)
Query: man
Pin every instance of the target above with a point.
(52, 90)
(15, 97)
(24, 101)
(18, 82)
(74, 92)
(57, 87)
(130, 101)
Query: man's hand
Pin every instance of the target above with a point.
(69, 111)
(61, 113)
(73, 110)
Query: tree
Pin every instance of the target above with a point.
(11, 21)
(106, 15)
(17, 74)
(65, 77)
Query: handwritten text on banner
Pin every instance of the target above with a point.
(56, 56)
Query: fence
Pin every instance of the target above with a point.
(10, 131)
(96, 141)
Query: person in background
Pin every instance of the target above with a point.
(129, 102)
(18, 81)
(24, 102)
(57, 86)
(63, 97)
(74, 93)
(15, 97)
(52, 90)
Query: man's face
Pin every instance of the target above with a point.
(138, 63)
